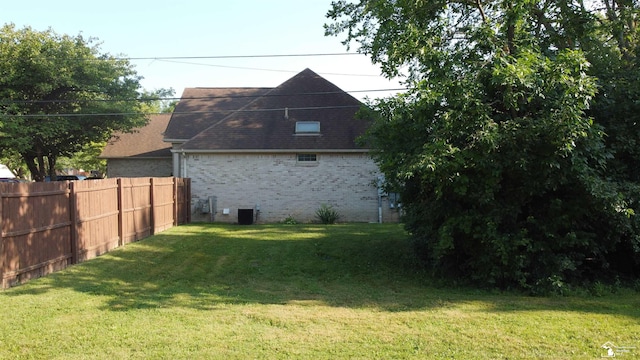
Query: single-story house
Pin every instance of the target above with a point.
(267, 154)
(141, 153)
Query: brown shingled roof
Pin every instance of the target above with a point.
(268, 122)
(145, 142)
(199, 108)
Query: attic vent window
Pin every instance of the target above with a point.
(307, 127)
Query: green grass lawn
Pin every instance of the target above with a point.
(204, 291)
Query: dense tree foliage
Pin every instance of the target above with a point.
(152, 102)
(515, 149)
(86, 159)
(160, 101)
(59, 94)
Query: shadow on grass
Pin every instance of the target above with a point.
(207, 266)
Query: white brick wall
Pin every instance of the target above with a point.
(282, 187)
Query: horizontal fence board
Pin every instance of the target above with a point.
(49, 226)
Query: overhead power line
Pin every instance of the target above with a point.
(108, 57)
(256, 69)
(234, 56)
(183, 112)
(190, 98)
(176, 59)
(180, 60)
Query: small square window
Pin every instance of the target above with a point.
(307, 158)
(307, 127)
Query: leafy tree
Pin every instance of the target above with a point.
(59, 94)
(87, 159)
(157, 101)
(500, 158)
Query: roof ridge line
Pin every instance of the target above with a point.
(230, 87)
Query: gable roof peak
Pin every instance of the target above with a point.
(307, 82)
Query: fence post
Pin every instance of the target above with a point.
(187, 200)
(175, 201)
(2, 254)
(120, 214)
(73, 215)
(152, 221)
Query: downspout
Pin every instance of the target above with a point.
(380, 183)
(178, 163)
(379, 208)
(183, 164)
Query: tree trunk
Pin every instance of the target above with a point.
(52, 167)
(33, 167)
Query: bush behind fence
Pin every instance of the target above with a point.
(49, 226)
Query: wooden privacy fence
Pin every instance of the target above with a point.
(49, 226)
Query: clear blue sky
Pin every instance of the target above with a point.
(199, 28)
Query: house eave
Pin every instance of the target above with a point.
(135, 157)
(270, 151)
